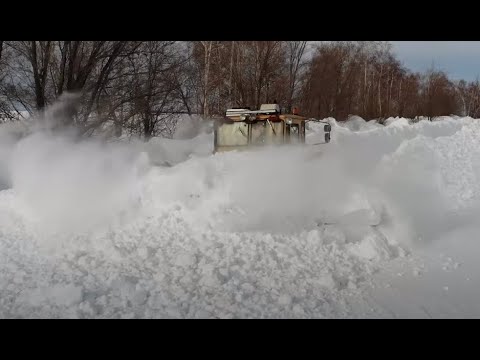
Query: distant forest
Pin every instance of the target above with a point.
(141, 86)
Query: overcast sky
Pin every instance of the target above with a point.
(460, 59)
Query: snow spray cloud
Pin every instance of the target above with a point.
(68, 184)
(52, 118)
(278, 189)
(75, 185)
(10, 134)
(270, 190)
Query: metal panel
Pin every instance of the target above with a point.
(274, 132)
(232, 134)
(258, 132)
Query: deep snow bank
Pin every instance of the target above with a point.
(96, 230)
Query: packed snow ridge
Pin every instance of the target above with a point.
(169, 230)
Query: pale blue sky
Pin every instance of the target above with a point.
(459, 59)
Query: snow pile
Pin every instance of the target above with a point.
(357, 123)
(440, 175)
(424, 173)
(97, 230)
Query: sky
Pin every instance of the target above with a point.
(459, 59)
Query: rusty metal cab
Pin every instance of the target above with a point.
(243, 128)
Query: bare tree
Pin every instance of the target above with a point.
(153, 90)
(140, 87)
(38, 55)
(296, 50)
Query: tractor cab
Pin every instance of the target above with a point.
(242, 128)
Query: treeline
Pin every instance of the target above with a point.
(140, 87)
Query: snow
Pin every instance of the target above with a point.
(169, 230)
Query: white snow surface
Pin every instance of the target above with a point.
(169, 230)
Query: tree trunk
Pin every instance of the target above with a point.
(207, 46)
(40, 63)
(230, 80)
